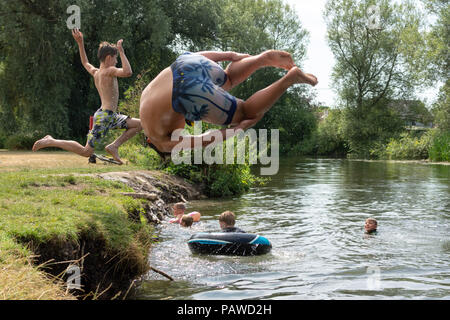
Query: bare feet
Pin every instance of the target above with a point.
(43, 143)
(298, 76)
(114, 152)
(279, 59)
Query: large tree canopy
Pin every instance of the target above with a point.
(45, 90)
(43, 86)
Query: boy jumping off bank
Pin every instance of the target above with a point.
(106, 117)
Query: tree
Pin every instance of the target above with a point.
(255, 26)
(373, 65)
(439, 59)
(43, 87)
(438, 39)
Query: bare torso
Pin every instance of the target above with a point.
(158, 119)
(108, 89)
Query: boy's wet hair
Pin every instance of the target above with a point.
(187, 220)
(180, 205)
(106, 49)
(372, 220)
(228, 218)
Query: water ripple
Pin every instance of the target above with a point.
(313, 212)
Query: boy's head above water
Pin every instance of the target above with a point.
(178, 208)
(227, 219)
(186, 221)
(371, 225)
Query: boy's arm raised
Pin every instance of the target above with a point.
(125, 71)
(78, 36)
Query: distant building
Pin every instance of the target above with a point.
(413, 112)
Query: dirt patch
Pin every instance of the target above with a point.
(158, 189)
(104, 274)
(27, 159)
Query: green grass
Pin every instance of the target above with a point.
(41, 205)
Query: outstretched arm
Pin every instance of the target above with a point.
(78, 36)
(125, 71)
(223, 56)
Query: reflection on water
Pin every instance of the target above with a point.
(313, 212)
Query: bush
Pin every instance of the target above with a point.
(2, 141)
(219, 180)
(138, 154)
(329, 138)
(366, 129)
(440, 146)
(20, 142)
(409, 147)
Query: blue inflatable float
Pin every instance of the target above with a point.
(229, 243)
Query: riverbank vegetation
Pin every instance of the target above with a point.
(52, 218)
(45, 90)
(380, 66)
(376, 69)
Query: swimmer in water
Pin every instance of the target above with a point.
(186, 221)
(227, 220)
(371, 226)
(178, 212)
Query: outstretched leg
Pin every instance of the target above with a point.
(260, 102)
(68, 145)
(239, 71)
(134, 126)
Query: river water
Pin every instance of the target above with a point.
(313, 212)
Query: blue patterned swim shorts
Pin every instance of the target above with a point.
(197, 90)
(103, 121)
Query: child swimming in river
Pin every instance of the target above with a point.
(371, 226)
(186, 221)
(178, 212)
(227, 220)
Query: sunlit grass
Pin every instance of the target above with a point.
(39, 205)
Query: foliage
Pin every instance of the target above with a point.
(329, 138)
(20, 141)
(57, 95)
(440, 146)
(437, 40)
(374, 66)
(408, 147)
(218, 180)
(441, 108)
(139, 154)
(364, 131)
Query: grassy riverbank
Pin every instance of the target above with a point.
(60, 212)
